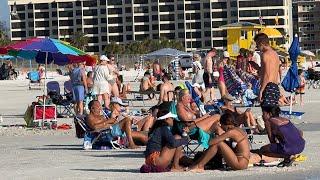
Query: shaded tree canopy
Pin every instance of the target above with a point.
(142, 47)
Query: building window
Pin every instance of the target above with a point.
(21, 16)
(31, 33)
(18, 25)
(43, 33)
(54, 23)
(93, 40)
(141, 37)
(115, 11)
(116, 29)
(91, 30)
(114, 2)
(115, 20)
(128, 28)
(92, 48)
(154, 8)
(30, 15)
(116, 38)
(41, 6)
(154, 17)
(166, 8)
(20, 7)
(181, 35)
(168, 17)
(141, 28)
(91, 3)
(128, 10)
(168, 35)
(141, 18)
(90, 12)
(102, 11)
(129, 37)
(65, 5)
(219, 5)
(167, 26)
(155, 36)
(103, 29)
(155, 27)
(193, 6)
(90, 21)
(18, 34)
(143, 9)
(42, 14)
(244, 34)
(66, 14)
(66, 23)
(42, 23)
(79, 21)
(181, 25)
(53, 14)
(140, 1)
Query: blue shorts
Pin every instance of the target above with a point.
(116, 131)
(78, 93)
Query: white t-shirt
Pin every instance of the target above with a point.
(101, 74)
(257, 58)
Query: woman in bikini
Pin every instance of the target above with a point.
(237, 157)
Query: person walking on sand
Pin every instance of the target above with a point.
(100, 82)
(79, 87)
(269, 72)
(208, 73)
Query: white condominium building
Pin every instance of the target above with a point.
(196, 23)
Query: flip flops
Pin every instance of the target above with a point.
(64, 126)
(286, 163)
(300, 158)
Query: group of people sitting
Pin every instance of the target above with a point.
(7, 71)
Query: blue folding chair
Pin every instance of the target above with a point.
(34, 80)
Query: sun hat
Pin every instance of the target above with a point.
(104, 58)
(117, 100)
(227, 97)
(169, 115)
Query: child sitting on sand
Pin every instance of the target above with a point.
(249, 97)
(163, 147)
(236, 157)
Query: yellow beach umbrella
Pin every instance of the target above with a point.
(271, 32)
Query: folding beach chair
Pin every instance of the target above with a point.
(94, 136)
(50, 117)
(34, 80)
(64, 105)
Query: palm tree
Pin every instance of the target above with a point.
(113, 48)
(4, 39)
(80, 40)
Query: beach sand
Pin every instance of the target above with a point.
(50, 154)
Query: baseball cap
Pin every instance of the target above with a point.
(117, 100)
(104, 58)
(169, 115)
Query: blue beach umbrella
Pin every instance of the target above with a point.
(291, 80)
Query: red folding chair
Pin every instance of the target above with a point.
(48, 118)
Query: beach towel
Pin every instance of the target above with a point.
(233, 82)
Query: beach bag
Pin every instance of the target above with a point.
(28, 116)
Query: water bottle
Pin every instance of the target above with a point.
(184, 134)
(87, 145)
(202, 110)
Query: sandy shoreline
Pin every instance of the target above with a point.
(48, 154)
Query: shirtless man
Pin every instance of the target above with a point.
(208, 73)
(269, 72)
(166, 90)
(97, 122)
(191, 116)
(156, 70)
(146, 84)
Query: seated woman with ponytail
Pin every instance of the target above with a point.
(285, 139)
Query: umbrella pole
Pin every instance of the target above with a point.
(44, 90)
(291, 98)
